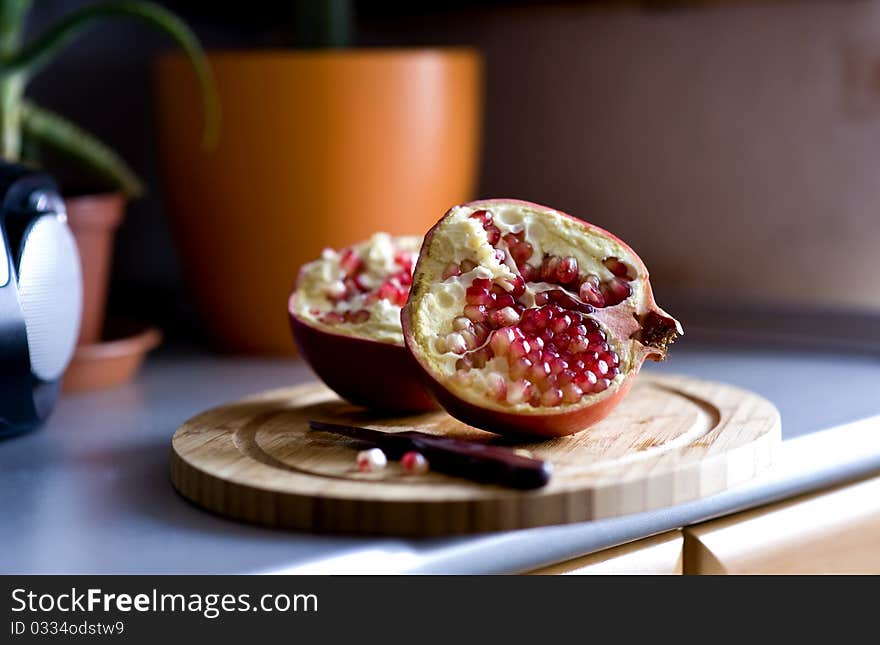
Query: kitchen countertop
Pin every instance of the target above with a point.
(90, 493)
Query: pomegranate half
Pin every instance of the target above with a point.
(345, 318)
(529, 321)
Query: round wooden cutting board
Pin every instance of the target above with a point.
(672, 440)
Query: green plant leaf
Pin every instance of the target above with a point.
(38, 53)
(54, 131)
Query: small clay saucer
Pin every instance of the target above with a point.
(113, 361)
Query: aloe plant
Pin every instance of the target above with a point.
(20, 61)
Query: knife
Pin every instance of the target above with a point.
(466, 459)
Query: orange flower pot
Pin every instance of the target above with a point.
(316, 149)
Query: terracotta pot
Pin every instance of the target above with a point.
(316, 149)
(93, 220)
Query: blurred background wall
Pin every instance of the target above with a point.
(735, 145)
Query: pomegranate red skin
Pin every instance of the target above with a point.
(376, 375)
(549, 424)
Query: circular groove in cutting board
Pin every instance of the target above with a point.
(673, 439)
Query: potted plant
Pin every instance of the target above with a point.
(322, 144)
(27, 130)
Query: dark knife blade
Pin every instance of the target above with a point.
(467, 459)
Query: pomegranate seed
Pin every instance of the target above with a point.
(520, 348)
(615, 291)
(528, 272)
(452, 270)
(616, 267)
(501, 340)
(498, 387)
(461, 322)
(371, 460)
(480, 357)
(571, 393)
(493, 235)
(560, 324)
(467, 265)
(585, 380)
(470, 338)
(476, 313)
(578, 344)
(551, 397)
(456, 343)
(478, 296)
(484, 216)
(519, 367)
(590, 294)
(333, 318)
(557, 365)
(548, 268)
(414, 463)
(360, 316)
(601, 368)
(601, 385)
(481, 331)
(538, 372)
(504, 300)
(567, 270)
(349, 262)
(504, 316)
(521, 252)
(565, 377)
(518, 392)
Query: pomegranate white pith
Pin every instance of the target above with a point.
(345, 317)
(524, 311)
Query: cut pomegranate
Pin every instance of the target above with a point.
(527, 320)
(345, 317)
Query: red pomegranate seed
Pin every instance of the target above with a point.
(615, 291)
(548, 268)
(567, 270)
(585, 380)
(616, 267)
(578, 344)
(484, 216)
(520, 348)
(528, 272)
(349, 262)
(504, 300)
(601, 368)
(565, 377)
(601, 385)
(478, 296)
(557, 365)
(521, 252)
(504, 316)
(591, 294)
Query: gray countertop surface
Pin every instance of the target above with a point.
(90, 493)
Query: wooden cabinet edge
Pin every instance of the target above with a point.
(659, 554)
(831, 531)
